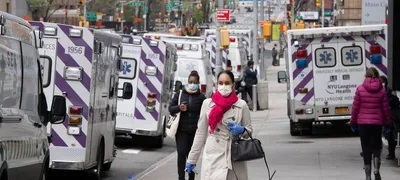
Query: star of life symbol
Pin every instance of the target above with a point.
(126, 68)
(325, 57)
(352, 56)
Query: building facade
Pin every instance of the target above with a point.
(352, 12)
(5, 6)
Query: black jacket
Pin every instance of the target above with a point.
(250, 77)
(188, 120)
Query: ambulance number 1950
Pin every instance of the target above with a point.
(78, 50)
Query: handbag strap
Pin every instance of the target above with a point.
(179, 98)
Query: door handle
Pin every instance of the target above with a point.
(13, 118)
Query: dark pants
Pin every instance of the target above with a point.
(371, 141)
(390, 137)
(275, 61)
(249, 90)
(184, 141)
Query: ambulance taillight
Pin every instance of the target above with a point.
(203, 88)
(239, 68)
(151, 102)
(376, 56)
(74, 120)
(232, 39)
(148, 37)
(301, 58)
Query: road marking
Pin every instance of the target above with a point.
(131, 151)
(155, 166)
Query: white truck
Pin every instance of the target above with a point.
(83, 65)
(324, 66)
(149, 66)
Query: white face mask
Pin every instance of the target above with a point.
(225, 90)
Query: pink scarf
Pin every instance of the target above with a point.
(222, 104)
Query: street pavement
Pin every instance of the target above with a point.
(332, 153)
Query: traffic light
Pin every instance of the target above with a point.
(225, 39)
(266, 29)
(81, 2)
(318, 3)
(78, 11)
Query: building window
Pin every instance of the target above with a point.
(8, 7)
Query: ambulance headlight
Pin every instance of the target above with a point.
(153, 43)
(75, 32)
(186, 47)
(309, 111)
(194, 47)
(137, 41)
(73, 73)
(125, 40)
(151, 70)
(50, 31)
(74, 130)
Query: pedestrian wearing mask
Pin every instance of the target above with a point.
(250, 79)
(222, 117)
(371, 111)
(189, 107)
(394, 104)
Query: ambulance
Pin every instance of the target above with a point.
(83, 65)
(158, 36)
(24, 144)
(149, 66)
(324, 66)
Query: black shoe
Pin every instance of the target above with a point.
(377, 176)
(390, 157)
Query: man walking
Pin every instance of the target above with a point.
(250, 79)
(274, 56)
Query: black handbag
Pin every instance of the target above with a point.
(247, 150)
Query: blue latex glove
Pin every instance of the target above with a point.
(235, 129)
(189, 167)
(387, 129)
(354, 127)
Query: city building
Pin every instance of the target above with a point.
(5, 6)
(352, 12)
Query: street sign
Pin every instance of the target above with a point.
(91, 16)
(135, 4)
(224, 15)
(145, 9)
(373, 11)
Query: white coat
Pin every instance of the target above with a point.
(217, 164)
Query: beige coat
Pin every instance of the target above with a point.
(217, 164)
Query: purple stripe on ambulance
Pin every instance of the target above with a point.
(307, 97)
(383, 36)
(348, 38)
(69, 61)
(294, 57)
(297, 71)
(143, 99)
(39, 24)
(78, 42)
(148, 62)
(381, 67)
(138, 115)
(326, 39)
(303, 83)
(155, 49)
(56, 139)
(149, 85)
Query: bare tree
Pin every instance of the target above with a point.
(42, 8)
(105, 6)
(302, 5)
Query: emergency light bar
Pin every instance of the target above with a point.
(186, 47)
(194, 47)
(301, 58)
(125, 40)
(153, 43)
(75, 32)
(376, 56)
(137, 41)
(50, 31)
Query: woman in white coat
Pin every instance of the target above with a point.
(222, 117)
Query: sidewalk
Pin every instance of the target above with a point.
(166, 169)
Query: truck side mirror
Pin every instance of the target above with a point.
(178, 85)
(38, 38)
(282, 77)
(2, 25)
(127, 91)
(58, 109)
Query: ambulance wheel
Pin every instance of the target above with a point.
(158, 142)
(45, 170)
(293, 132)
(106, 166)
(100, 160)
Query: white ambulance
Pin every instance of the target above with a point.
(324, 66)
(24, 144)
(82, 64)
(149, 66)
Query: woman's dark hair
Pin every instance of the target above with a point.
(229, 73)
(249, 63)
(194, 74)
(372, 73)
(384, 79)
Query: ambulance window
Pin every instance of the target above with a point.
(325, 57)
(45, 70)
(30, 78)
(352, 56)
(128, 70)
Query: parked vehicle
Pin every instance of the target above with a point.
(149, 66)
(83, 65)
(324, 66)
(24, 144)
